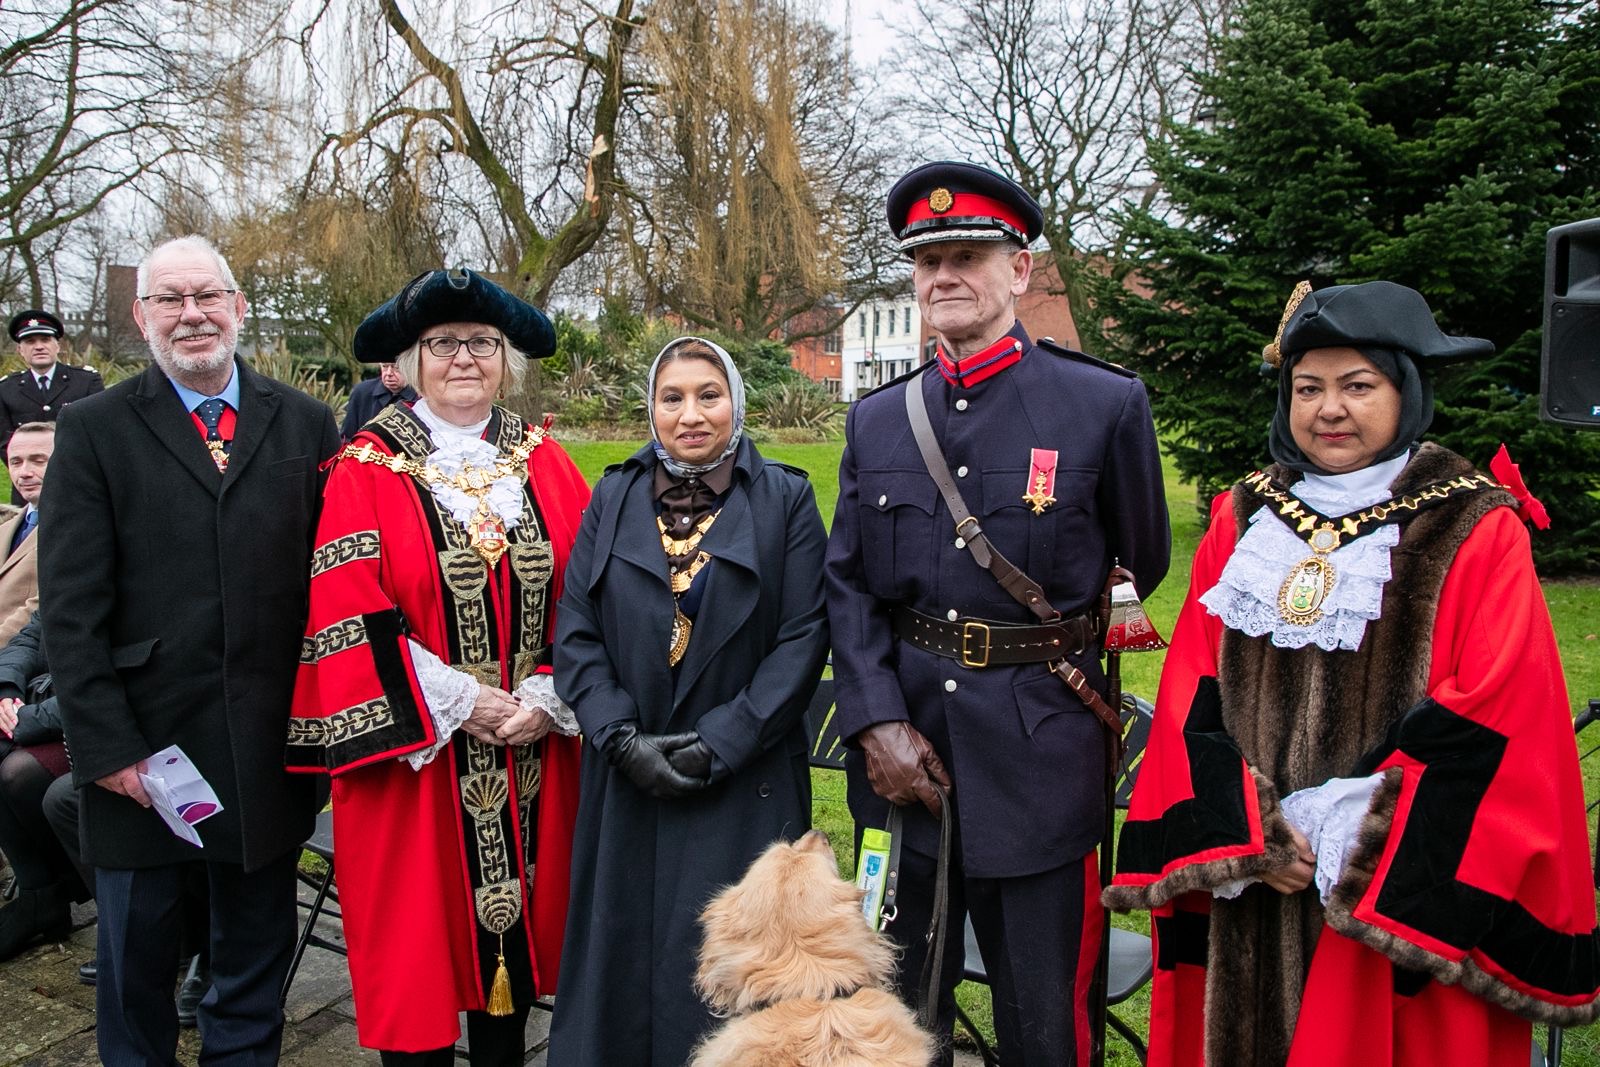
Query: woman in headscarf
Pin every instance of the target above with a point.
(691, 637)
(1359, 821)
(425, 687)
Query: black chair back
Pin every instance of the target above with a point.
(827, 747)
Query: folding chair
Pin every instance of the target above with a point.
(320, 844)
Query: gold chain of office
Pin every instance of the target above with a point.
(487, 531)
(1325, 533)
(1309, 583)
(677, 549)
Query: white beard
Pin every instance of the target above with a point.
(166, 356)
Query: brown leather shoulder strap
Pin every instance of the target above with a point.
(1022, 589)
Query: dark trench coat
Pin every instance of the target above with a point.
(643, 869)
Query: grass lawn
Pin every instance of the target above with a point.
(1574, 609)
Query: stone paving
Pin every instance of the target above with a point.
(48, 1017)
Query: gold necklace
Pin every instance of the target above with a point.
(681, 580)
(1310, 581)
(486, 529)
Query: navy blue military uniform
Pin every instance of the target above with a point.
(21, 399)
(1025, 757)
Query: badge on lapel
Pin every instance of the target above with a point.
(1041, 480)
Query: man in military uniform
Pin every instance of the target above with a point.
(943, 676)
(39, 392)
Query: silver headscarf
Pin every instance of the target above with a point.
(735, 394)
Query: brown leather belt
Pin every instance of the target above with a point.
(980, 643)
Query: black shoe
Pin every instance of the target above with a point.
(36, 914)
(194, 988)
(88, 972)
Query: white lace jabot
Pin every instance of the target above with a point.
(459, 448)
(1245, 597)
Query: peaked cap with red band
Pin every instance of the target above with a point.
(961, 202)
(33, 322)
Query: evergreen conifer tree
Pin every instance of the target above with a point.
(1431, 143)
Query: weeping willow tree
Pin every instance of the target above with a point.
(755, 196)
(510, 117)
(322, 260)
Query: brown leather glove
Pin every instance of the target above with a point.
(902, 765)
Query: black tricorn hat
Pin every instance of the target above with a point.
(33, 322)
(458, 295)
(1369, 315)
(961, 202)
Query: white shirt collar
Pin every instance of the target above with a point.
(1347, 492)
(437, 425)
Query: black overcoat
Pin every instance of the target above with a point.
(176, 603)
(643, 869)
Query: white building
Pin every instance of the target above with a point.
(880, 343)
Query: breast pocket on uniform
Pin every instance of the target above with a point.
(1059, 546)
(897, 535)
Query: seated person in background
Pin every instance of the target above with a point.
(32, 756)
(372, 395)
(27, 455)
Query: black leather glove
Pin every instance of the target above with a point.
(901, 765)
(643, 758)
(692, 760)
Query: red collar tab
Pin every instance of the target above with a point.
(980, 365)
(949, 207)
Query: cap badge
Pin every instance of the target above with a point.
(940, 201)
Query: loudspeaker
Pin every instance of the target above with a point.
(1569, 365)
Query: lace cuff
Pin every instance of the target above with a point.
(450, 696)
(539, 691)
(1330, 816)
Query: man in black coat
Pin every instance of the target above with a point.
(941, 675)
(372, 395)
(39, 392)
(174, 588)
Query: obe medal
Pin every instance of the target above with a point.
(1041, 485)
(1304, 591)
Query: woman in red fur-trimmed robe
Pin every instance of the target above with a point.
(425, 685)
(1359, 823)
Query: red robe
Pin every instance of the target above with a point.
(444, 869)
(1469, 898)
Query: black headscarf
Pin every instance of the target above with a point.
(1416, 407)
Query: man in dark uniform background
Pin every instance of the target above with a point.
(39, 391)
(1055, 455)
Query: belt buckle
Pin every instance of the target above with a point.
(968, 628)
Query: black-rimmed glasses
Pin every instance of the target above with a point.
(480, 347)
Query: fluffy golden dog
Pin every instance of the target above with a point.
(806, 981)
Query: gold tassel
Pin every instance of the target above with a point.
(500, 994)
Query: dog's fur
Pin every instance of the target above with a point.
(788, 955)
